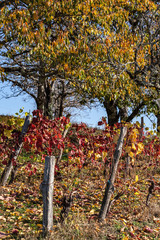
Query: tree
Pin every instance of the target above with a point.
(99, 47)
(125, 77)
(42, 43)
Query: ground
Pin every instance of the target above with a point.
(21, 209)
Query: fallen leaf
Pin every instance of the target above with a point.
(147, 229)
(3, 235)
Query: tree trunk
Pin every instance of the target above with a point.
(40, 100)
(50, 97)
(47, 191)
(112, 112)
(49, 100)
(123, 113)
(45, 92)
(110, 184)
(59, 98)
(158, 122)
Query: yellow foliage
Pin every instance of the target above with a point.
(8, 133)
(108, 134)
(133, 146)
(131, 154)
(133, 135)
(97, 156)
(125, 238)
(68, 51)
(138, 124)
(140, 148)
(90, 153)
(104, 154)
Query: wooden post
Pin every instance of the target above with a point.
(47, 191)
(61, 151)
(142, 127)
(9, 168)
(127, 167)
(110, 184)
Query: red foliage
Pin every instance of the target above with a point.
(82, 144)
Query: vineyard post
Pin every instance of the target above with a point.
(142, 127)
(110, 184)
(127, 167)
(61, 151)
(47, 192)
(9, 168)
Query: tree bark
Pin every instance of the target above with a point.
(40, 100)
(123, 113)
(9, 168)
(110, 184)
(47, 191)
(112, 112)
(158, 122)
(49, 99)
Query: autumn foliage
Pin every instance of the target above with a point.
(87, 155)
(83, 145)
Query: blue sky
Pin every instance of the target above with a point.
(12, 105)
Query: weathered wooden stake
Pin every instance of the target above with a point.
(9, 168)
(127, 167)
(47, 191)
(142, 127)
(110, 184)
(61, 151)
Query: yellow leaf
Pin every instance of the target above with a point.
(136, 178)
(97, 156)
(21, 110)
(108, 134)
(125, 238)
(92, 211)
(132, 161)
(136, 193)
(39, 225)
(140, 147)
(154, 125)
(128, 149)
(20, 122)
(131, 154)
(138, 124)
(104, 154)
(7, 133)
(133, 146)
(90, 154)
(96, 144)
